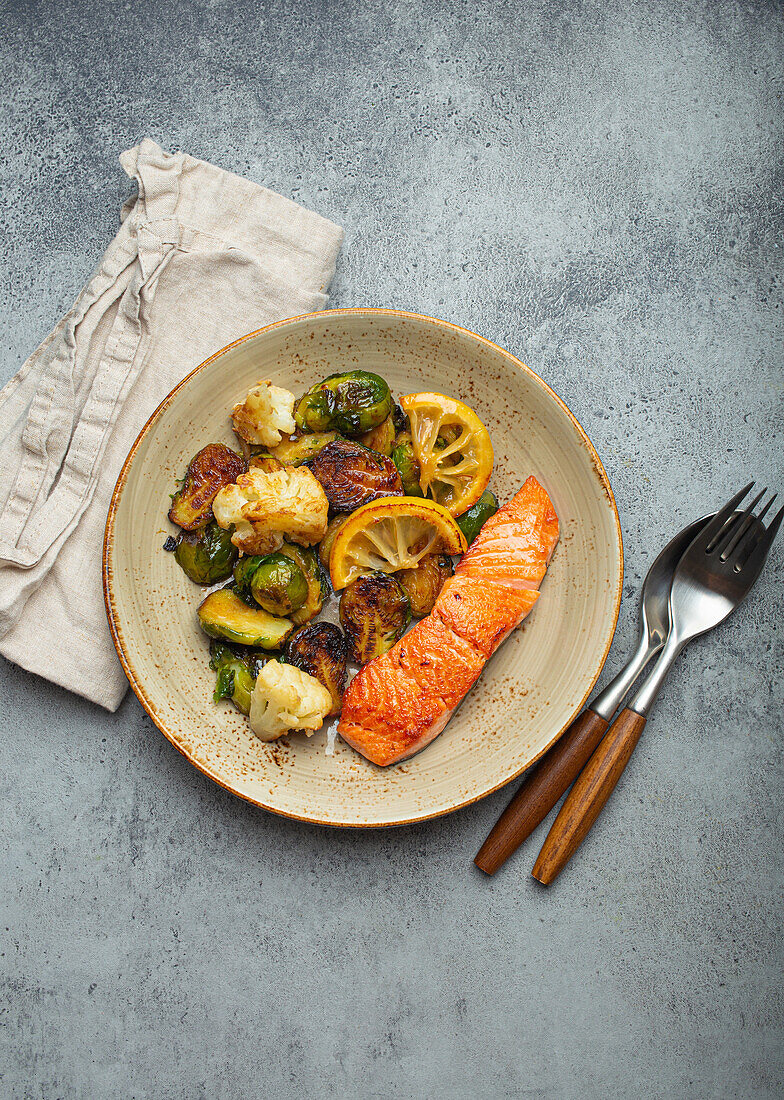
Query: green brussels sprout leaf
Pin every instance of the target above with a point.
(350, 403)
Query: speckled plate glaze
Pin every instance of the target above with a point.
(533, 685)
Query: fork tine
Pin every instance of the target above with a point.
(709, 533)
(758, 551)
(761, 516)
(739, 560)
(773, 527)
(734, 535)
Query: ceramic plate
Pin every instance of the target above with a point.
(530, 689)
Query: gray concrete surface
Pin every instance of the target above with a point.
(596, 186)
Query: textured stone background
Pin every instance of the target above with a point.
(593, 185)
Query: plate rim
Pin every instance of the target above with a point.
(108, 542)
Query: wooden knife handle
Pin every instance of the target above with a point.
(587, 797)
(541, 789)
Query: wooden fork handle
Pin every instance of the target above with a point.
(541, 789)
(588, 796)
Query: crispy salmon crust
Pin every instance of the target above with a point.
(515, 545)
(404, 698)
(483, 614)
(398, 703)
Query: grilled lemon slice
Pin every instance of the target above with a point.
(390, 534)
(452, 447)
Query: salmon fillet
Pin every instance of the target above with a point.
(397, 704)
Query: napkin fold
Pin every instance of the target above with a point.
(202, 257)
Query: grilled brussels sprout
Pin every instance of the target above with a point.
(206, 555)
(235, 676)
(307, 559)
(470, 523)
(263, 460)
(350, 403)
(325, 546)
(320, 649)
(400, 420)
(296, 449)
(374, 612)
(213, 467)
(351, 475)
(224, 615)
(278, 585)
(380, 439)
(407, 466)
(423, 584)
(243, 574)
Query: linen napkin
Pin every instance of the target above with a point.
(202, 257)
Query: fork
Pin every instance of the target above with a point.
(713, 577)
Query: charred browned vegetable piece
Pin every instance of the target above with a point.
(209, 471)
(423, 584)
(263, 460)
(325, 546)
(351, 475)
(293, 450)
(320, 649)
(382, 438)
(374, 612)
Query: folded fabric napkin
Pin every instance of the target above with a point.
(202, 257)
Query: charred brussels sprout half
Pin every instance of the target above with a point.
(423, 584)
(307, 560)
(374, 612)
(301, 448)
(380, 439)
(470, 523)
(325, 546)
(234, 678)
(400, 420)
(350, 403)
(320, 649)
(207, 555)
(278, 585)
(224, 615)
(407, 466)
(351, 475)
(213, 467)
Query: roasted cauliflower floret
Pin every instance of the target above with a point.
(265, 414)
(286, 698)
(266, 506)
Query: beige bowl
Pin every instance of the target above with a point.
(533, 685)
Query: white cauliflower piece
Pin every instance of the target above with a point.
(264, 415)
(286, 698)
(266, 506)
